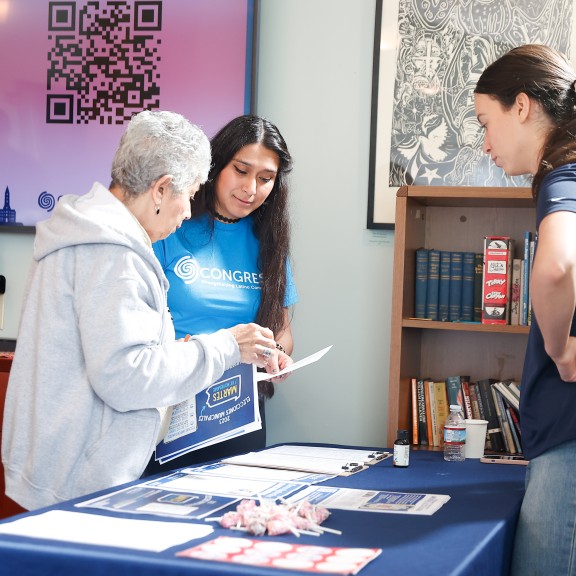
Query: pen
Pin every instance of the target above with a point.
(379, 455)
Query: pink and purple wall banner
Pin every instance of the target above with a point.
(73, 72)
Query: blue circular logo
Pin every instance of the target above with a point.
(186, 269)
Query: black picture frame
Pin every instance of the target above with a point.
(375, 178)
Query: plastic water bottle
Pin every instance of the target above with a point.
(455, 435)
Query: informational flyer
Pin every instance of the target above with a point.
(225, 486)
(226, 409)
(142, 499)
(372, 500)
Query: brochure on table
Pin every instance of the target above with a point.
(226, 409)
(225, 486)
(143, 499)
(371, 500)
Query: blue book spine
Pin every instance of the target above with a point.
(455, 305)
(467, 311)
(433, 285)
(525, 295)
(421, 283)
(444, 288)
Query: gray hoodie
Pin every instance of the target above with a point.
(96, 359)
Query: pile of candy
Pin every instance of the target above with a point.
(275, 519)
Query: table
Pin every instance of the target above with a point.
(471, 534)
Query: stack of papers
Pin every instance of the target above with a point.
(321, 460)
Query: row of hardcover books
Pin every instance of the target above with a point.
(496, 401)
(491, 287)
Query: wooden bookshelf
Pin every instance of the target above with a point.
(450, 218)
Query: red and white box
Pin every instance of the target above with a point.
(496, 286)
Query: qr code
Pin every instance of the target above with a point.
(103, 60)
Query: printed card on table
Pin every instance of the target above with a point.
(269, 554)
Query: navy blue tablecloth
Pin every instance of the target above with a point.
(471, 534)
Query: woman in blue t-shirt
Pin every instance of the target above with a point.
(525, 101)
(229, 264)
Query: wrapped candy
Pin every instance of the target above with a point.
(276, 519)
(230, 519)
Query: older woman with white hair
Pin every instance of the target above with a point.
(96, 362)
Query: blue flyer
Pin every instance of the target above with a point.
(142, 499)
(225, 409)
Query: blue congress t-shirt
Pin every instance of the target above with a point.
(214, 277)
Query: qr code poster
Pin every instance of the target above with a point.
(74, 72)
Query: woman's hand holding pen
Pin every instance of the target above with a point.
(257, 346)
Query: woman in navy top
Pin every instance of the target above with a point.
(525, 102)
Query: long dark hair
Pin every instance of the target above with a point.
(545, 75)
(271, 219)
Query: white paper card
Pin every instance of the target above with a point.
(304, 362)
(105, 531)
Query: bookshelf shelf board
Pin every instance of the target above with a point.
(464, 326)
(472, 197)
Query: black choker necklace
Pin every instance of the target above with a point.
(224, 219)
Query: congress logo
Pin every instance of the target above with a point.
(186, 269)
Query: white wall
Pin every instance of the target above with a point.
(315, 78)
(314, 82)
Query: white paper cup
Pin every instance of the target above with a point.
(475, 438)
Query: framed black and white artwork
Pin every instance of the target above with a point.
(428, 55)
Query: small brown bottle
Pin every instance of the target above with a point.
(401, 457)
